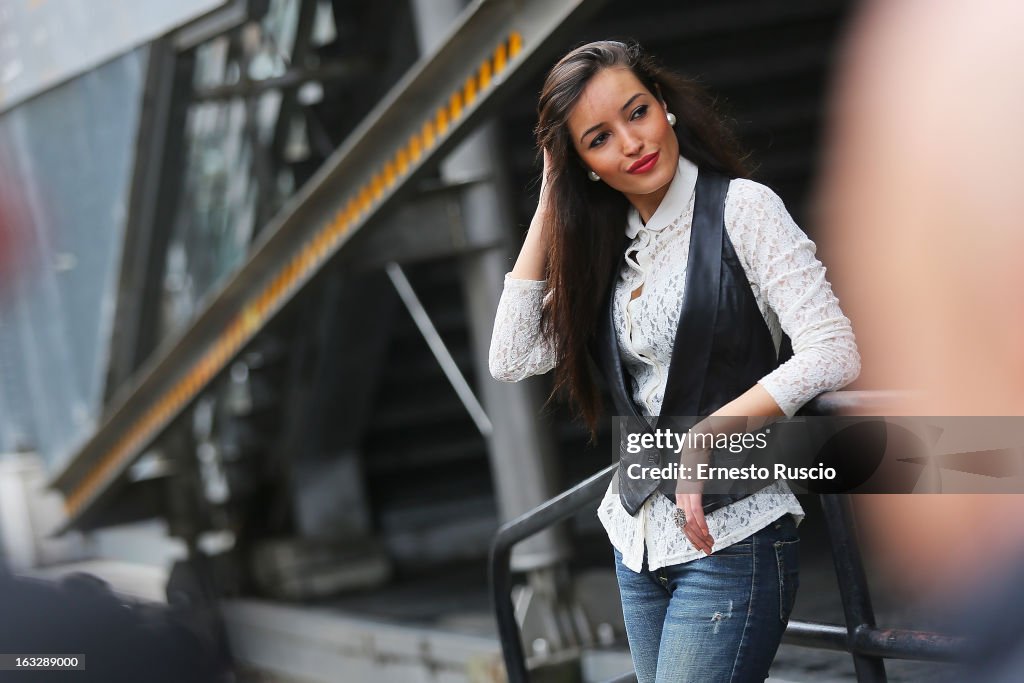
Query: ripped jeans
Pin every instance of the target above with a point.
(717, 619)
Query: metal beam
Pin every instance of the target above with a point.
(438, 348)
(289, 80)
(495, 45)
(213, 24)
(399, 235)
(158, 175)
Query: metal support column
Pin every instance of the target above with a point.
(853, 585)
(159, 169)
(521, 450)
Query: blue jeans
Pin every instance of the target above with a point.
(717, 619)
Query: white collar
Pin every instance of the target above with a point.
(672, 204)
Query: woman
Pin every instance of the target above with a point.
(626, 144)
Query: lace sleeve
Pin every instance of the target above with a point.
(518, 347)
(783, 271)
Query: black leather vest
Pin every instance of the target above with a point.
(722, 345)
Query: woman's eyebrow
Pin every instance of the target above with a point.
(590, 130)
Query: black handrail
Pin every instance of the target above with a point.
(559, 508)
(868, 644)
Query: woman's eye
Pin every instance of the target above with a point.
(639, 112)
(598, 139)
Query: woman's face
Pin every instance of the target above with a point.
(621, 132)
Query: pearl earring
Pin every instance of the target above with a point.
(671, 119)
(593, 176)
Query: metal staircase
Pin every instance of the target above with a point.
(422, 118)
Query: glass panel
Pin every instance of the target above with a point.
(69, 154)
(215, 218)
(227, 168)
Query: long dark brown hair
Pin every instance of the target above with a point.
(586, 220)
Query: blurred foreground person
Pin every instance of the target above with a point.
(12, 233)
(922, 201)
(121, 641)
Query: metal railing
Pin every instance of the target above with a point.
(861, 637)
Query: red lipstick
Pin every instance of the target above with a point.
(645, 163)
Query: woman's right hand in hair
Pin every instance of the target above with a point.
(544, 175)
(532, 261)
(544, 208)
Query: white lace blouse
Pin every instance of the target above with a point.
(790, 288)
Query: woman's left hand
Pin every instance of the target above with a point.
(690, 496)
(734, 417)
(696, 527)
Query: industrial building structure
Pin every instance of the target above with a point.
(262, 242)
